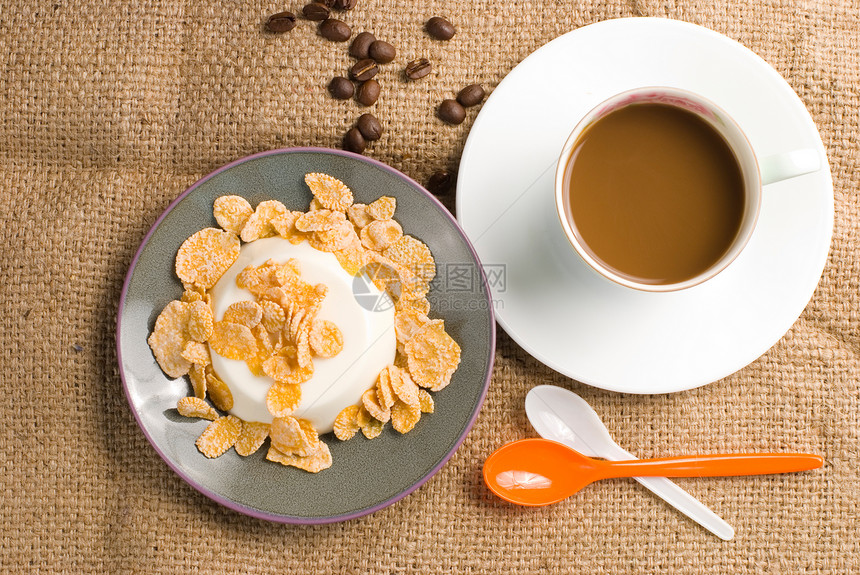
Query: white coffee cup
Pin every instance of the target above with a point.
(755, 173)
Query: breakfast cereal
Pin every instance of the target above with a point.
(330, 192)
(195, 407)
(277, 332)
(205, 256)
(253, 436)
(219, 436)
(231, 213)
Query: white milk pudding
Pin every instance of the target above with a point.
(369, 341)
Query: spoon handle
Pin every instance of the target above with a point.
(672, 494)
(714, 465)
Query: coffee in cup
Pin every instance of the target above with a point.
(658, 189)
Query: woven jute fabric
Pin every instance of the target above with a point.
(109, 109)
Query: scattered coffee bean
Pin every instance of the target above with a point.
(440, 28)
(440, 182)
(335, 30)
(359, 47)
(354, 141)
(345, 4)
(329, 3)
(471, 95)
(363, 70)
(368, 93)
(341, 88)
(316, 11)
(281, 22)
(418, 68)
(452, 112)
(382, 52)
(369, 126)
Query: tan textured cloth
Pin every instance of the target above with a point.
(110, 109)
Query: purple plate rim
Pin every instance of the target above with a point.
(238, 507)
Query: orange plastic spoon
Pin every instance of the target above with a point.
(537, 472)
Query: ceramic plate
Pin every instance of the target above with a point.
(581, 324)
(366, 475)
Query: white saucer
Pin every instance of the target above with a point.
(562, 312)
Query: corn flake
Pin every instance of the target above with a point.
(370, 402)
(384, 390)
(292, 436)
(320, 220)
(252, 437)
(204, 257)
(200, 321)
(413, 301)
(168, 339)
(404, 388)
(425, 401)
(233, 340)
(193, 293)
(404, 416)
(283, 398)
(325, 338)
(357, 214)
(382, 209)
(219, 393)
(231, 213)
(259, 225)
(415, 256)
(330, 192)
(277, 367)
(314, 462)
(380, 234)
(247, 313)
(219, 436)
(197, 353)
(197, 375)
(371, 427)
(408, 322)
(345, 425)
(432, 356)
(195, 407)
(284, 225)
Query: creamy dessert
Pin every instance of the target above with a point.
(275, 341)
(369, 341)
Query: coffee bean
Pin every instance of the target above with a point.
(368, 92)
(316, 11)
(418, 68)
(440, 182)
(341, 88)
(281, 22)
(382, 52)
(471, 95)
(329, 3)
(345, 4)
(452, 112)
(369, 126)
(354, 141)
(359, 47)
(335, 30)
(363, 70)
(440, 28)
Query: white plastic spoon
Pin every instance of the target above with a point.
(561, 415)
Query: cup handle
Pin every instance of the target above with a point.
(788, 165)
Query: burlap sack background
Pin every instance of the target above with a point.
(109, 109)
